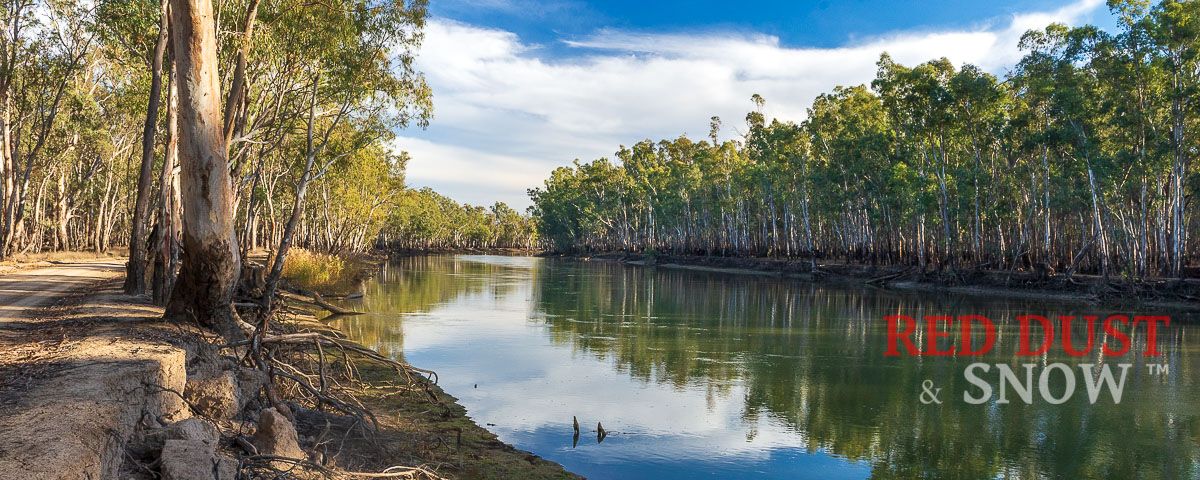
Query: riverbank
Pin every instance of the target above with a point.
(93, 384)
(418, 252)
(418, 422)
(1174, 294)
(508, 252)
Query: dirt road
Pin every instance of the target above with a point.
(75, 381)
(24, 290)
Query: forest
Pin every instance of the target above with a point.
(312, 96)
(1080, 159)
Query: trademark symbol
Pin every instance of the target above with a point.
(1158, 368)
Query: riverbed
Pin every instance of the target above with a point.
(716, 375)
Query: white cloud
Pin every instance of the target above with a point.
(475, 176)
(506, 116)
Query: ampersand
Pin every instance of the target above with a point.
(929, 394)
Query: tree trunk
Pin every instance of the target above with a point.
(1099, 235)
(135, 269)
(1178, 173)
(237, 88)
(167, 262)
(210, 265)
(61, 215)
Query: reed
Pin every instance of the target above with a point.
(313, 270)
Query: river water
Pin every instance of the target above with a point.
(711, 375)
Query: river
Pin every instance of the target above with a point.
(713, 375)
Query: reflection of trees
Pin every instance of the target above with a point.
(812, 358)
(415, 285)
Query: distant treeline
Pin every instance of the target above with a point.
(1080, 160)
(427, 221)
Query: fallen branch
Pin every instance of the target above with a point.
(314, 298)
(887, 277)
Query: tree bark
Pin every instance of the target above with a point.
(169, 216)
(210, 265)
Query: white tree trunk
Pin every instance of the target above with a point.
(210, 268)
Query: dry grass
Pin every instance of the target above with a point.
(314, 270)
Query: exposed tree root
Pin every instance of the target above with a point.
(311, 365)
(317, 339)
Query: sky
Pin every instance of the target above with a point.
(521, 87)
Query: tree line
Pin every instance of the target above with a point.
(1079, 160)
(428, 221)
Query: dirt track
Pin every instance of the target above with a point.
(23, 290)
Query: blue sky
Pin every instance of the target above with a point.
(521, 86)
(823, 23)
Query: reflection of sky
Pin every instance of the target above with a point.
(529, 389)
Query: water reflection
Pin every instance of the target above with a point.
(705, 374)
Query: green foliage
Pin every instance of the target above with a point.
(426, 220)
(325, 84)
(1080, 160)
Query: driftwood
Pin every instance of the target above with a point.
(313, 298)
(887, 277)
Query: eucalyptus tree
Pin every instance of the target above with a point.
(135, 271)
(929, 106)
(851, 145)
(978, 112)
(1058, 77)
(211, 265)
(357, 194)
(428, 221)
(44, 48)
(1175, 30)
(1133, 88)
(361, 84)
